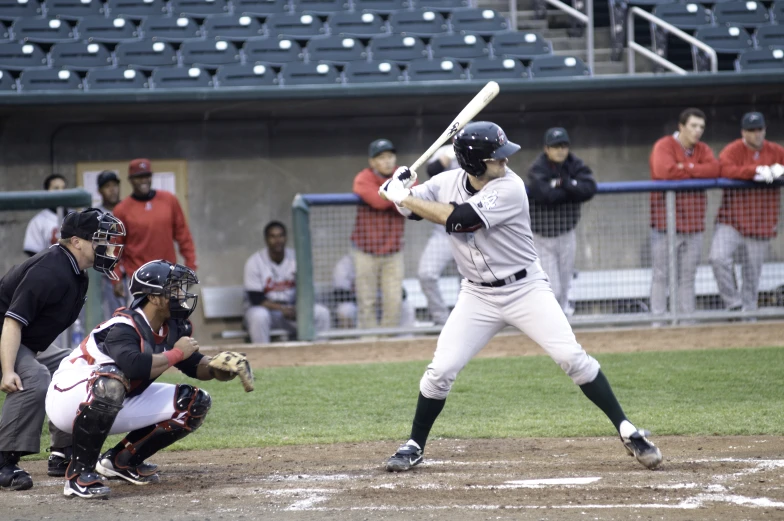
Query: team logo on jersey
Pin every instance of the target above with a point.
(488, 200)
(501, 137)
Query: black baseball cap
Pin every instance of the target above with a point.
(752, 121)
(107, 176)
(81, 224)
(555, 136)
(380, 145)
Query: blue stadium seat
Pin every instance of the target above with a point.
(687, 17)
(42, 30)
(684, 16)
(357, 25)
(381, 6)
(445, 69)
(443, 6)
(261, 8)
(135, 9)
(5, 33)
(496, 68)
(525, 45)
(777, 11)
(80, 56)
(558, 66)
(198, 8)
(746, 13)
(373, 72)
(15, 56)
(7, 82)
(297, 25)
(234, 27)
(272, 50)
(170, 29)
(325, 7)
(770, 37)
(107, 30)
(209, 52)
(296, 73)
(13, 9)
(111, 79)
(74, 9)
(246, 75)
(727, 41)
(180, 78)
(460, 46)
(335, 49)
(761, 59)
(397, 48)
(422, 22)
(145, 54)
(649, 3)
(49, 79)
(478, 21)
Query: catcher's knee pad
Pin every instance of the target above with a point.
(193, 403)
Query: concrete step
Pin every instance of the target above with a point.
(601, 39)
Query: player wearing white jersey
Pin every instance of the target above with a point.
(43, 230)
(484, 207)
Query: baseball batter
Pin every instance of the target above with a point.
(484, 207)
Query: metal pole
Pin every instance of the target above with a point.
(304, 255)
(589, 35)
(629, 39)
(672, 275)
(513, 13)
(39, 199)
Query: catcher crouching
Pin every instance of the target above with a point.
(107, 384)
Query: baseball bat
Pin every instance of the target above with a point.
(474, 107)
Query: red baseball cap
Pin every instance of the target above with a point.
(139, 166)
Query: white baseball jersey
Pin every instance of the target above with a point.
(278, 282)
(504, 246)
(43, 230)
(344, 273)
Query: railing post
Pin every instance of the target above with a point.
(629, 39)
(672, 274)
(304, 254)
(513, 13)
(589, 35)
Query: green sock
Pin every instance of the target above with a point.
(601, 394)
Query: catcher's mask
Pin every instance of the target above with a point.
(478, 142)
(103, 230)
(174, 281)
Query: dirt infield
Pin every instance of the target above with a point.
(705, 478)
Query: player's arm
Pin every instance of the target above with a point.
(432, 211)
(580, 186)
(732, 165)
(543, 189)
(10, 340)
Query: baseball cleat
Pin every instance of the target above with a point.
(87, 485)
(12, 477)
(408, 455)
(58, 462)
(143, 474)
(640, 447)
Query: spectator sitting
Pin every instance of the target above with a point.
(43, 230)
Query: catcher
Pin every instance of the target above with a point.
(107, 384)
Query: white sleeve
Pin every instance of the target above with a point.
(34, 237)
(254, 279)
(499, 201)
(343, 274)
(428, 190)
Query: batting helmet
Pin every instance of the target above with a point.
(478, 142)
(161, 277)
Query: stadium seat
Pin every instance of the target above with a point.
(381, 6)
(74, 9)
(727, 41)
(135, 9)
(356, 24)
(296, 73)
(145, 54)
(397, 48)
(42, 30)
(558, 66)
(520, 44)
(13, 9)
(478, 21)
(459, 46)
(445, 69)
(198, 8)
(80, 56)
(443, 6)
(298, 25)
(5, 33)
(107, 30)
(246, 75)
(321, 6)
(7, 82)
(15, 56)
(261, 8)
(372, 72)
(649, 3)
(684, 16)
(761, 59)
(49, 79)
(423, 22)
(169, 29)
(209, 52)
(272, 50)
(746, 13)
(495, 68)
(777, 11)
(110, 79)
(335, 49)
(770, 37)
(232, 27)
(180, 78)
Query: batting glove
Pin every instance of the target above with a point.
(407, 176)
(777, 170)
(394, 190)
(764, 174)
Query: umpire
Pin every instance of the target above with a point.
(39, 299)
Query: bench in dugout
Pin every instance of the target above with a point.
(226, 303)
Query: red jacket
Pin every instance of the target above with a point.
(754, 212)
(152, 227)
(689, 206)
(379, 227)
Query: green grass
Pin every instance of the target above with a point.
(722, 392)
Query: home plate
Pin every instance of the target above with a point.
(552, 481)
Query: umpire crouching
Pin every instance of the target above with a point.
(39, 299)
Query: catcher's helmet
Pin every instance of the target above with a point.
(104, 230)
(478, 142)
(161, 277)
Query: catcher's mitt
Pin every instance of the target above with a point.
(229, 362)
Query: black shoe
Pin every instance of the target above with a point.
(86, 485)
(640, 447)
(408, 455)
(143, 474)
(58, 461)
(13, 477)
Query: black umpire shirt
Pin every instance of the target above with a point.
(45, 294)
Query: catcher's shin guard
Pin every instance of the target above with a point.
(191, 404)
